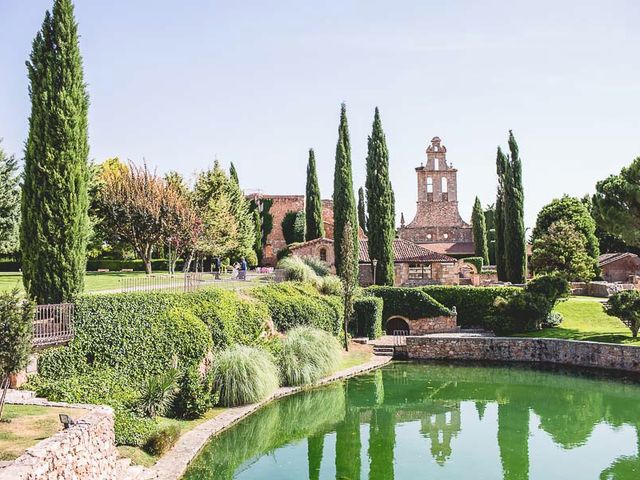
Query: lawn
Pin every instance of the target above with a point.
(112, 281)
(28, 424)
(585, 319)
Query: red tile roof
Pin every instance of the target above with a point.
(405, 251)
(607, 258)
(452, 248)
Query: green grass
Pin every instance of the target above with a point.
(100, 282)
(139, 457)
(354, 357)
(585, 319)
(27, 425)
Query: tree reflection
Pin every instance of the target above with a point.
(513, 440)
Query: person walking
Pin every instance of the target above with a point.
(243, 269)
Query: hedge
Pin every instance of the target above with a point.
(477, 262)
(407, 302)
(144, 333)
(292, 304)
(367, 317)
(136, 265)
(474, 305)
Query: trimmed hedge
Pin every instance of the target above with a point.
(367, 317)
(407, 302)
(475, 305)
(137, 265)
(477, 262)
(293, 304)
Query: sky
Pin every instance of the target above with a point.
(258, 83)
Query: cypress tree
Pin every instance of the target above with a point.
(362, 212)
(233, 174)
(9, 203)
(380, 204)
(313, 201)
(54, 225)
(480, 232)
(501, 168)
(344, 205)
(514, 232)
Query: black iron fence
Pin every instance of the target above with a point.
(53, 324)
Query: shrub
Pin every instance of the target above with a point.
(626, 306)
(367, 317)
(296, 270)
(552, 286)
(407, 302)
(130, 429)
(136, 265)
(243, 375)
(294, 304)
(307, 355)
(523, 312)
(553, 320)
(477, 262)
(330, 285)
(318, 266)
(474, 305)
(162, 440)
(158, 393)
(194, 395)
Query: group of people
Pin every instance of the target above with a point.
(239, 269)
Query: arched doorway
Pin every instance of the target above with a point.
(396, 326)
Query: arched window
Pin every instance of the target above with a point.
(323, 254)
(436, 164)
(445, 186)
(429, 185)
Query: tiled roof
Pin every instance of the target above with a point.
(405, 251)
(452, 248)
(294, 246)
(607, 258)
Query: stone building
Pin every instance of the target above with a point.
(437, 224)
(280, 206)
(620, 267)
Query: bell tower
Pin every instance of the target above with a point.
(437, 218)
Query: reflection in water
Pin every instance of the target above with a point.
(435, 421)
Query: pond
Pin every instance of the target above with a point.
(409, 421)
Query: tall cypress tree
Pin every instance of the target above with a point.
(344, 205)
(480, 232)
(313, 201)
(233, 174)
(9, 203)
(514, 232)
(54, 225)
(501, 168)
(362, 212)
(380, 204)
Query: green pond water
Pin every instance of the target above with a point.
(431, 421)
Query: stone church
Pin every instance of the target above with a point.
(437, 225)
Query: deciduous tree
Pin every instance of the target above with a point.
(54, 226)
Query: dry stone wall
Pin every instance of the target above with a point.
(86, 450)
(544, 350)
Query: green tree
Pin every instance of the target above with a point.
(344, 205)
(313, 202)
(480, 232)
(562, 249)
(362, 212)
(626, 306)
(293, 224)
(233, 174)
(515, 243)
(349, 279)
(241, 211)
(9, 203)
(490, 221)
(257, 225)
(616, 204)
(16, 332)
(501, 169)
(55, 202)
(380, 204)
(574, 212)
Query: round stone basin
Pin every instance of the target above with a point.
(434, 421)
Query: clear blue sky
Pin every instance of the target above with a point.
(258, 83)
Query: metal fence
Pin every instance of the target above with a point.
(53, 324)
(187, 283)
(400, 337)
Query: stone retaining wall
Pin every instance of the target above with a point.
(566, 352)
(86, 450)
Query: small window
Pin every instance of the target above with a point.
(445, 185)
(429, 236)
(323, 254)
(445, 236)
(436, 163)
(429, 185)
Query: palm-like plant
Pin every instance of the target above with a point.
(158, 393)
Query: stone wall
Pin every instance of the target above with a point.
(545, 350)
(86, 450)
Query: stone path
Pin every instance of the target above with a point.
(175, 462)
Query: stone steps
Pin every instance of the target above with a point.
(19, 396)
(383, 350)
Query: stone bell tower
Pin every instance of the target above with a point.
(437, 218)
